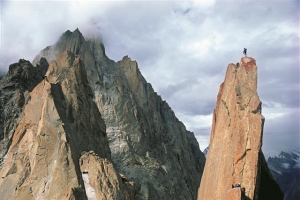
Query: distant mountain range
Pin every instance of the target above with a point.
(285, 169)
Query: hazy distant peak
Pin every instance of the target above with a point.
(76, 31)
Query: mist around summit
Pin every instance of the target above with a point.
(181, 48)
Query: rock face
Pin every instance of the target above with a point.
(139, 136)
(234, 194)
(235, 154)
(59, 123)
(15, 87)
(102, 181)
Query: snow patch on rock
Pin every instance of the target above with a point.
(89, 190)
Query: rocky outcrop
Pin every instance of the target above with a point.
(102, 181)
(153, 141)
(149, 145)
(235, 194)
(15, 88)
(60, 121)
(57, 145)
(235, 154)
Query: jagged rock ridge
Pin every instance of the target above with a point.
(235, 154)
(159, 158)
(285, 169)
(60, 123)
(15, 87)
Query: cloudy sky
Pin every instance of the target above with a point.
(182, 48)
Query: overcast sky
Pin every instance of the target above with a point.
(182, 49)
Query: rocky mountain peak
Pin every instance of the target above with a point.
(46, 157)
(71, 41)
(93, 128)
(235, 154)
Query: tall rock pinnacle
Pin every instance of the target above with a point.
(235, 154)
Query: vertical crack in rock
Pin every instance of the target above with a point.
(226, 107)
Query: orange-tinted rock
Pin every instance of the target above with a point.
(15, 88)
(101, 179)
(149, 145)
(44, 160)
(234, 194)
(60, 122)
(236, 137)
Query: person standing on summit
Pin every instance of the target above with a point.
(245, 52)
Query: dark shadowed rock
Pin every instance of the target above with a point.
(15, 88)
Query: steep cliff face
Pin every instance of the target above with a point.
(15, 87)
(235, 154)
(158, 157)
(153, 141)
(148, 143)
(60, 123)
(102, 180)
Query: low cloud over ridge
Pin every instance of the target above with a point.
(182, 49)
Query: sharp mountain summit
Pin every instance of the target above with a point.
(75, 124)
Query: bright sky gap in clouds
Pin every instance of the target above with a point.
(182, 48)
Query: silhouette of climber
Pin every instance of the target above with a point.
(245, 52)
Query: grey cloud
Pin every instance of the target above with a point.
(272, 51)
(169, 90)
(178, 96)
(287, 96)
(281, 133)
(156, 34)
(194, 107)
(280, 83)
(253, 15)
(201, 131)
(204, 131)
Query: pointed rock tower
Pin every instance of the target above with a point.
(235, 154)
(47, 150)
(92, 128)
